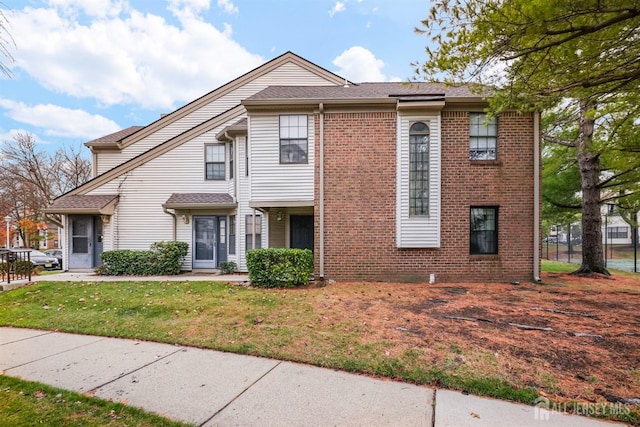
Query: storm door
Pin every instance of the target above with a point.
(81, 239)
(204, 241)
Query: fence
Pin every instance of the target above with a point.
(15, 265)
(565, 244)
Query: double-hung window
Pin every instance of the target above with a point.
(484, 230)
(294, 145)
(419, 169)
(483, 137)
(214, 162)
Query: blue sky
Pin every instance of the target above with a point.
(86, 68)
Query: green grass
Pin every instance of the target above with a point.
(558, 267)
(24, 403)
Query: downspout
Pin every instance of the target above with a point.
(174, 221)
(321, 194)
(235, 162)
(536, 196)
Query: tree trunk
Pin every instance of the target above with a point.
(589, 163)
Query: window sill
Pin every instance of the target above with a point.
(485, 162)
(483, 257)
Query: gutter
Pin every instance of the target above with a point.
(321, 193)
(536, 196)
(164, 209)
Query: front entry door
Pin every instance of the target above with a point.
(301, 231)
(81, 238)
(204, 241)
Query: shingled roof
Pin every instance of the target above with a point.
(199, 200)
(102, 204)
(364, 91)
(114, 137)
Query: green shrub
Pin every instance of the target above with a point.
(25, 267)
(163, 258)
(228, 267)
(168, 256)
(279, 267)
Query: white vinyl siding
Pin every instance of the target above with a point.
(271, 180)
(418, 231)
(139, 219)
(288, 74)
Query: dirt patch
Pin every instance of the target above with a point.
(572, 338)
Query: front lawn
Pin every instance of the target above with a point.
(569, 339)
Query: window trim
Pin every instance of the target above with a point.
(223, 163)
(483, 124)
(494, 250)
(292, 141)
(231, 246)
(249, 232)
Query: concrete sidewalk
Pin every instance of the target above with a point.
(210, 388)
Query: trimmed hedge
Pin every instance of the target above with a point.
(164, 258)
(279, 267)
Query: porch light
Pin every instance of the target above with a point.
(185, 219)
(279, 216)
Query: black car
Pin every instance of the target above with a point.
(57, 254)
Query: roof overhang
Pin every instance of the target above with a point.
(102, 146)
(289, 104)
(199, 201)
(84, 205)
(265, 204)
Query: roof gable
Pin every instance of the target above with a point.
(288, 57)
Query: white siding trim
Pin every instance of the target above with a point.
(418, 232)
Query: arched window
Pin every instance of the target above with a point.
(419, 169)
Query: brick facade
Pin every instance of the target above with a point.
(360, 201)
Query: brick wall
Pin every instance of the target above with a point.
(360, 201)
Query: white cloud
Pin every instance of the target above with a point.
(227, 6)
(360, 65)
(338, 7)
(128, 56)
(94, 8)
(60, 121)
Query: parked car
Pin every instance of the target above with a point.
(39, 259)
(57, 254)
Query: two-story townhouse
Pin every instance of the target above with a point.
(383, 181)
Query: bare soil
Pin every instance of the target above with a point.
(571, 338)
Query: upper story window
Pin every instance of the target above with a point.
(419, 169)
(483, 133)
(293, 139)
(214, 161)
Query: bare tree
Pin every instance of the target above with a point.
(32, 178)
